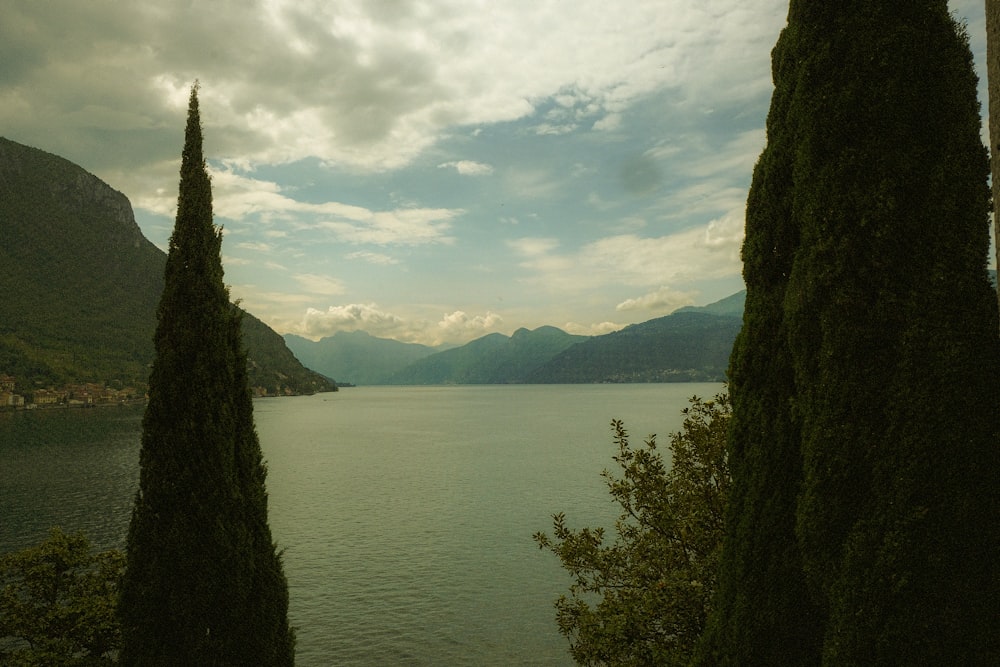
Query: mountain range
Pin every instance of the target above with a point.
(81, 284)
(691, 344)
(357, 357)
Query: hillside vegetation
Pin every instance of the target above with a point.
(686, 346)
(80, 284)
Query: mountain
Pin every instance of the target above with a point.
(686, 346)
(81, 284)
(356, 357)
(492, 359)
(732, 305)
(691, 344)
(274, 369)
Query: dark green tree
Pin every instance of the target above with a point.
(870, 202)
(893, 330)
(763, 614)
(57, 603)
(643, 599)
(204, 583)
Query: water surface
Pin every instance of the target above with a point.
(405, 513)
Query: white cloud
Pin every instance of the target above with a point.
(554, 128)
(455, 327)
(461, 326)
(665, 299)
(239, 197)
(725, 233)
(598, 329)
(372, 258)
(350, 317)
(533, 246)
(608, 123)
(704, 252)
(409, 227)
(316, 284)
(251, 245)
(468, 167)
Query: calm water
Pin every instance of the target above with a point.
(405, 513)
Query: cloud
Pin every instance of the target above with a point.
(461, 326)
(315, 284)
(356, 83)
(532, 246)
(554, 128)
(241, 198)
(251, 245)
(372, 258)
(468, 167)
(350, 317)
(665, 299)
(409, 227)
(701, 252)
(455, 327)
(598, 329)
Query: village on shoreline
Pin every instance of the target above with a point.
(83, 395)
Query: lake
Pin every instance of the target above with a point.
(405, 513)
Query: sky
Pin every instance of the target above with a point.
(424, 170)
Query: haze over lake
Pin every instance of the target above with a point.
(405, 513)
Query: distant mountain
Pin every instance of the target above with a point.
(691, 344)
(356, 357)
(492, 359)
(731, 305)
(686, 346)
(81, 284)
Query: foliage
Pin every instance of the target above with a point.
(864, 388)
(681, 347)
(57, 603)
(204, 583)
(763, 613)
(80, 283)
(79, 280)
(643, 599)
(272, 365)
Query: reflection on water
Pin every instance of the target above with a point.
(75, 468)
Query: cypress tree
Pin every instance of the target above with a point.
(893, 330)
(762, 613)
(204, 583)
(874, 184)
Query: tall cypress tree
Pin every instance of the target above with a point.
(204, 583)
(762, 613)
(893, 330)
(885, 316)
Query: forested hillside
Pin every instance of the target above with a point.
(689, 346)
(80, 284)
